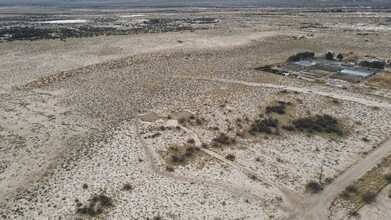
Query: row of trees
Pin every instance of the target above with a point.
(311, 55)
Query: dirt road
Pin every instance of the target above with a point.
(315, 206)
(362, 101)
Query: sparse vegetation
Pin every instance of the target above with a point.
(127, 187)
(230, 157)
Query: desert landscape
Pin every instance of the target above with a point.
(195, 113)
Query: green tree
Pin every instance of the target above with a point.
(340, 56)
(329, 56)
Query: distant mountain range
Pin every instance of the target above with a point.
(166, 3)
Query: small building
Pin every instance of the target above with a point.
(359, 73)
(305, 63)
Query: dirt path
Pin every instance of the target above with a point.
(312, 207)
(316, 206)
(154, 160)
(294, 198)
(362, 101)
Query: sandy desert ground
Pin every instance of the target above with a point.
(89, 126)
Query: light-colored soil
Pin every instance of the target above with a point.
(88, 111)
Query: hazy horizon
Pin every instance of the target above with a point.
(179, 3)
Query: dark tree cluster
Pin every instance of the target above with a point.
(318, 123)
(373, 64)
(301, 56)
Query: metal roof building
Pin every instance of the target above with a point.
(358, 72)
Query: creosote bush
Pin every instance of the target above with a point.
(387, 177)
(263, 126)
(279, 109)
(223, 139)
(230, 157)
(314, 187)
(96, 206)
(127, 187)
(369, 197)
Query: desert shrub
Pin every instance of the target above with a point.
(351, 189)
(127, 187)
(328, 180)
(369, 197)
(314, 187)
(387, 177)
(318, 123)
(85, 186)
(191, 141)
(365, 139)
(204, 145)
(263, 126)
(288, 127)
(279, 109)
(182, 121)
(190, 151)
(157, 134)
(177, 158)
(96, 206)
(170, 169)
(301, 56)
(345, 194)
(105, 201)
(230, 157)
(162, 128)
(224, 139)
